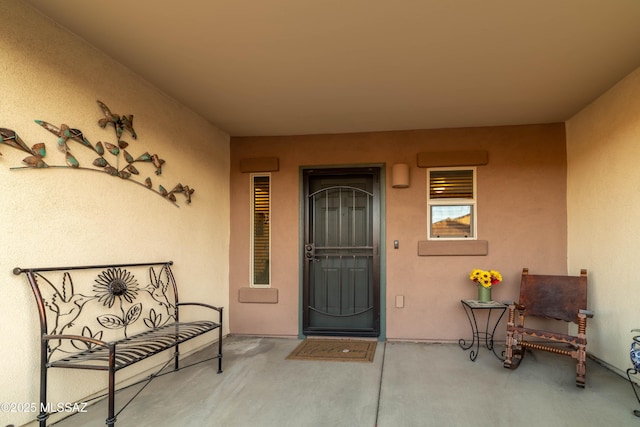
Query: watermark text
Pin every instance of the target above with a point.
(22, 407)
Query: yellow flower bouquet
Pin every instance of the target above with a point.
(486, 278)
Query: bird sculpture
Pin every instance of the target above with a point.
(120, 123)
(37, 152)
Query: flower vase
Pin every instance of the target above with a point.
(484, 294)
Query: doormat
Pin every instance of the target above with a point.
(336, 350)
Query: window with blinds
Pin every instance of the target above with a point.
(451, 203)
(260, 230)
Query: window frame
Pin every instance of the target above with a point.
(472, 202)
(252, 229)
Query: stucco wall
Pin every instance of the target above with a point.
(521, 212)
(67, 217)
(603, 204)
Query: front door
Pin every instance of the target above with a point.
(341, 289)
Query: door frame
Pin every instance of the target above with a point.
(381, 232)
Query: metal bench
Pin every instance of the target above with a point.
(118, 316)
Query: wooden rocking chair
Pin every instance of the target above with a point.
(553, 297)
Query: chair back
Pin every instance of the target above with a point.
(554, 297)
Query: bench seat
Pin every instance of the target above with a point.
(137, 347)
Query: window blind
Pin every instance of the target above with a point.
(451, 184)
(261, 231)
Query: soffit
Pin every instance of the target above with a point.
(285, 67)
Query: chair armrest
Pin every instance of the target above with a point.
(588, 313)
(514, 318)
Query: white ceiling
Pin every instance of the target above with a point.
(286, 67)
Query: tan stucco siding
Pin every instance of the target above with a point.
(603, 146)
(74, 217)
(521, 213)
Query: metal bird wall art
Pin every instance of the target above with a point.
(37, 152)
(113, 159)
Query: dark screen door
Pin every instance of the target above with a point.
(341, 290)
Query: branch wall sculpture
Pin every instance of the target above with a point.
(113, 159)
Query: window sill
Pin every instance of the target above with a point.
(453, 247)
(258, 295)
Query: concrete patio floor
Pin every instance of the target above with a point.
(407, 384)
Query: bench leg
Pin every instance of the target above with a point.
(220, 343)
(220, 351)
(43, 415)
(111, 418)
(176, 358)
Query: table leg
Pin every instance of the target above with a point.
(489, 343)
(478, 335)
(632, 371)
(475, 335)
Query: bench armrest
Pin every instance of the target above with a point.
(75, 338)
(200, 304)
